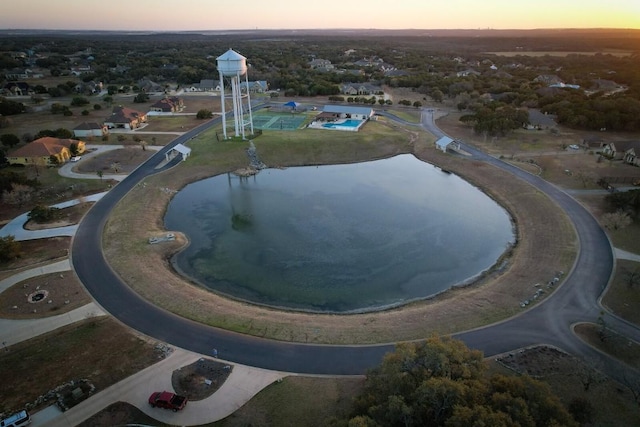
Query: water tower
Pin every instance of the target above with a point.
(232, 66)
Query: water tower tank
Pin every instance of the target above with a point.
(231, 63)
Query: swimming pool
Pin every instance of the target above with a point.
(347, 123)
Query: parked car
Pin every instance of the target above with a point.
(75, 158)
(574, 147)
(167, 400)
(18, 419)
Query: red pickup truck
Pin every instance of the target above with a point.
(167, 400)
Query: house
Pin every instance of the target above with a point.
(123, 117)
(548, 79)
(631, 156)
(347, 112)
(17, 89)
(148, 86)
(323, 64)
(468, 72)
(258, 86)
(360, 89)
(41, 152)
(171, 104)
(622, 150)
(80, 70)
(88, 130)
(89, 87)
(18, 74)
(206, 85)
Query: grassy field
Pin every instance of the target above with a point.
(32, 368)
(622, 298)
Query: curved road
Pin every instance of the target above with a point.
(547, 323)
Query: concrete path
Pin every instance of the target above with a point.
(243, 383)
(16, 228)
(620, 254)
(15, 331)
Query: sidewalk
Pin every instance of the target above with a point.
(16, 228)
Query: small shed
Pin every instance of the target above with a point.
(443, 143)
(178, 149)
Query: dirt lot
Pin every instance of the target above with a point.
(120, 161)
(41, 296)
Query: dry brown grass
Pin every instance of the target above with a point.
(34, 367)
(64, 293)
(546, 238)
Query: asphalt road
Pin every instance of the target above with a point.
(547, 323)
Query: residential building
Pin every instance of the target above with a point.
(127, 118)
(360, 89)
(41, 152)
(88, 130)
(626, 151)
(171, 104)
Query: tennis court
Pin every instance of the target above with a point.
(278, 121)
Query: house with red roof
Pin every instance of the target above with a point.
(125, 118)
(171, 104)
(47, 151)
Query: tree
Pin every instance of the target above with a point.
(9, 140)
(616, 220)
(437, 95)
(140, 98)
(42, 214)
(100, 174)
(440, 382)
(10, 108)
(204, 114)
(79, 101)
(9, 248)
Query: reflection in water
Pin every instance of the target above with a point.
(338, 238)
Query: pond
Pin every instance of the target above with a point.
(340, 238)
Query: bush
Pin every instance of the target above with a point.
(43, 213)
(9, 249)
(79, 101)
(204, 114)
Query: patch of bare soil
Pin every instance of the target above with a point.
(120, 161)
(120, 414)
(34, 252)
(200, 379)
(42, 296)
(537, 361)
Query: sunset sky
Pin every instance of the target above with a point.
(172, 15)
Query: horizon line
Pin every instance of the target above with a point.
(319, 29)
